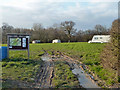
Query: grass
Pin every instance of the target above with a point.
(19, 68)
(87, 53)
(64, 78)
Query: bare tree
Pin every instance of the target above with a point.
(68, 27)
(37, 26)
(38, 31)
(101, 29)
(6, 28)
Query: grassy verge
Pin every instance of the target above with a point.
(64, 78)
(18, 69)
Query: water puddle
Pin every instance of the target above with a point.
(83, 79)
(45, 58)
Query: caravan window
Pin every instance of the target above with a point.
(100, 37)
(96, 38)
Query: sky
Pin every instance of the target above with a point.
(85, 13)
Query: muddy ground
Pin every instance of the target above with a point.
(46, 73)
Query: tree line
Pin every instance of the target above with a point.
(64, 31)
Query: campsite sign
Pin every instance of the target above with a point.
(18, 42)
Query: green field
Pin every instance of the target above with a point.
(17, 67)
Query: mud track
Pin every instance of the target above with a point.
(44, 78)
(46, 73)
(86, 80)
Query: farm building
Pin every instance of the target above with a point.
(56, 41)
(36, 41)
(100, 39)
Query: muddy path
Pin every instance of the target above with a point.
(44, 78)
(86, 80)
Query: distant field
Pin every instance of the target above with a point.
(82, 50)
(87, 53)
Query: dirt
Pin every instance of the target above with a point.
(46, 73)
(76, 67)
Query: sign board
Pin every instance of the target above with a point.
(18, 42)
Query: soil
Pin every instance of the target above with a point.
(45, 75)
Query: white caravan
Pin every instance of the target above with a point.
(36, 41)
(100, 39)
(56, 41)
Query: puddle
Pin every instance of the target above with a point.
(45, 58)
(83, 79)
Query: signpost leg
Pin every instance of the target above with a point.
(8, 47)
(28, 50)
(28, 54)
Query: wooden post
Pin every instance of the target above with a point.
(28, 49)
(7, 46)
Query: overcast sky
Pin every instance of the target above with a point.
(23, 13)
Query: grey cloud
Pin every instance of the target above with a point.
(50, 13)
